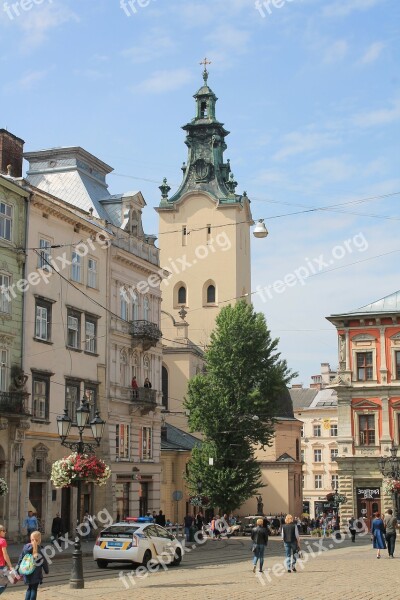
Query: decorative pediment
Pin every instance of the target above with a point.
(363, 337)
(365, 404)
(395, 337)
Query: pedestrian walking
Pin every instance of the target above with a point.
(30, 524)
(199, 521)
(56, 527)
(259, 535)
(352, 529)
(291, 541)
(4, 558)
(35, 577)
(378, 534)
(390, 523)
(188, 522)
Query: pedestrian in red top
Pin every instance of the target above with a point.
(4, 558)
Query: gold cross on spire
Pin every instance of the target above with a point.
(205, 62)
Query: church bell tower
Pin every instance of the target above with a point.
(204, 227)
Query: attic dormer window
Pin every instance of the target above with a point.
(203, 110)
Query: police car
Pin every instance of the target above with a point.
(136, 540)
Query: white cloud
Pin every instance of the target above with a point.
(298, 142)
(343, 8)
(372, 53)
(26, 82)
(330, 169)
(154, 45)
(40, 20)
(164, 81)
(336, 51)
(382, 116)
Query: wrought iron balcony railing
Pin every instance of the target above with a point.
(144, 398)
(145, 332)
(14, 404)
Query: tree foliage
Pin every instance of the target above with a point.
(234, 404)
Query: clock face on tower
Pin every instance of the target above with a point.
(203, 170)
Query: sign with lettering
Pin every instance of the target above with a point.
(368, 493)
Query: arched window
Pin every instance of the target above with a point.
(182, 295)
(211, 294)
(164, 387)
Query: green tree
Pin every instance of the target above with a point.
(234, 404)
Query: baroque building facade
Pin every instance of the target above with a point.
(368, 391)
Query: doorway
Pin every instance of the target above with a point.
(143, 499)
(368, 503)
(36, 492)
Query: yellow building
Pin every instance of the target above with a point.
(204, 232)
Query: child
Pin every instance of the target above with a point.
(34, 579)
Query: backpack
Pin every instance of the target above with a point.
(27, 565)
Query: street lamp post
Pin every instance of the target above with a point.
(389, 466)
(64, 424)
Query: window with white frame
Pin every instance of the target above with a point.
(5, 297)
(42, 320)
(92, 273)
(90, 334)
(122, 440)
(40, 396)
(72, 391)
(73, 330)
(302, 455)
(6, 218)
(123, 303)
(365, 371)
(4, 372)
(366, 424)
(147, 443)
(44, 254)
(318, 455)
(318, 482)
(333, 431)
(146, 309)
(334, 454)
(317, 430)
(334, 482)
(76, 267)
(90, 395)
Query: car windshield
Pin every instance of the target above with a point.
(119, 532)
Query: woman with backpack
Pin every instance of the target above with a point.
(31, 565)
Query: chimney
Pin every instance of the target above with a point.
(11, 149)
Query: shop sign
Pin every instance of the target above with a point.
(368, 493)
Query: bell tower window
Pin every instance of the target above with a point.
(203, 110)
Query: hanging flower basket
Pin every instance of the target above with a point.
(391, 486)
(3, 487)
(79, 467)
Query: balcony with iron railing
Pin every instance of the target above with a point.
(143, 398)
(145, 333)
(14, 404)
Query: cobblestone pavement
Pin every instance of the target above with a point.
(223, 570)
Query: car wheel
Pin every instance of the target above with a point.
(177, 557)
(146, 558)
(102, 564)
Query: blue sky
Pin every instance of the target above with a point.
(309, 90)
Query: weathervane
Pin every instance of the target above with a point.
(205, 62)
